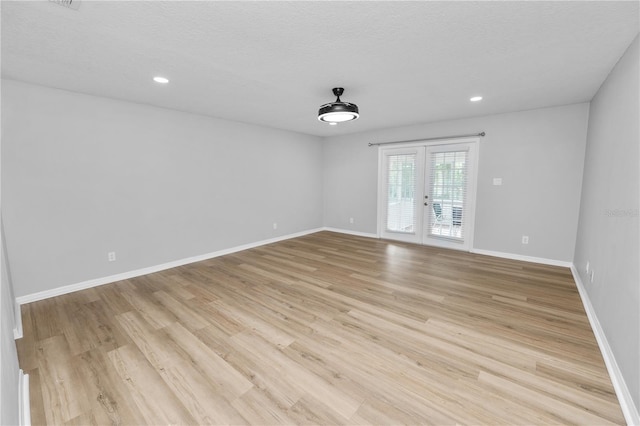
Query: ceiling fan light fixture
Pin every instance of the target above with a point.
(338, 111)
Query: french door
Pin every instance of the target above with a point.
(402, 188)
(427, 193)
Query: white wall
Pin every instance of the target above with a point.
(608, 232)
(539, 155)
(83, 176)
(9, 366)
(9, 372)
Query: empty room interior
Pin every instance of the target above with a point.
(320, 212)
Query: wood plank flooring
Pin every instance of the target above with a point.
(322, 329)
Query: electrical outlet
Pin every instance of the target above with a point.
(275, 225)
(525, 239)
(587, 268)
(497, 181)
(351, 220)
(111, 256)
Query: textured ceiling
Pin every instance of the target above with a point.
(274, 63)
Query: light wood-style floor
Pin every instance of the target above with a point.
(322, 329)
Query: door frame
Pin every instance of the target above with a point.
(473, 167)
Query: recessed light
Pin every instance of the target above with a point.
(161, 80)
(476, 99)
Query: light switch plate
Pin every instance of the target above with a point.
(497, 181)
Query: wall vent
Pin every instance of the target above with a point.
(71, 4)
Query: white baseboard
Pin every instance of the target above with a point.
(157, 268)
(17, 326)
(531, 259)
(24, 404)
(629, 410)
(17, 331)
(504, 255)
(349, 232)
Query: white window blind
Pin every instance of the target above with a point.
(448, 193)
(401, 193)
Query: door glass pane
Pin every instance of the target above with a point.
(448, 180)
(401, 186)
